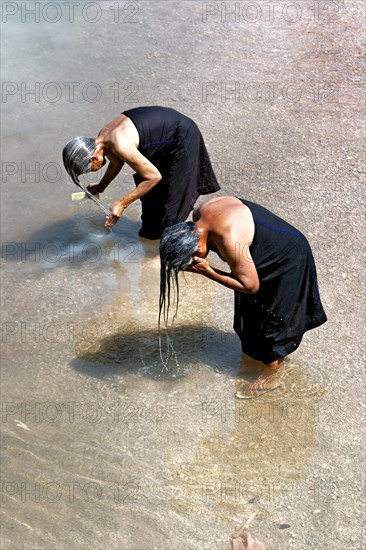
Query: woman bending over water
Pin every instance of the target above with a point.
(168, 154)
(272, 273)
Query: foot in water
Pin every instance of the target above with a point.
(249, 365)
(267, 381)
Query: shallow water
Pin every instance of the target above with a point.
(103, 446)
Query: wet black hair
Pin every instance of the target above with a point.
(77, 155)
(177, 246)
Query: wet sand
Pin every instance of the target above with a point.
(102, 446)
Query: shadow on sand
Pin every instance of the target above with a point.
(137, 351)
(73, 241)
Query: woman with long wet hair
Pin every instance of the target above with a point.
(272, 273)
(165, 149)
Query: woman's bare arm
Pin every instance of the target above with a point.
(245, 284)
(114, 167)
(142, 166)
(234, 248)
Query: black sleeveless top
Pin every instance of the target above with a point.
(173, 143)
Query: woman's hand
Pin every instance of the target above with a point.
(199, 265)
(116, 209)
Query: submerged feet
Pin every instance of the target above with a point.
(262, 385)
(267, 381)
(249, 365)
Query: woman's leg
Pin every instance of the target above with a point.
(250, 365)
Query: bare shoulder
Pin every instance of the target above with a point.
(127, 134)
(229, 219)
(222, 212)
(223, 208)
(120, 134)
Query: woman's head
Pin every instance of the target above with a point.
(178, 245)
(77, 156)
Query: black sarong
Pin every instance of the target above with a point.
(173, 143)
(272, 322)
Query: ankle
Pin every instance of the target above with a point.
(272, 369)
(275, 364)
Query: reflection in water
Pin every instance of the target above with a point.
(91, 226)
(249, 453)
(131, 347)
(176, 432)
(262, 457)
(77, 241)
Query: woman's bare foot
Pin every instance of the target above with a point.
(267, 381)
